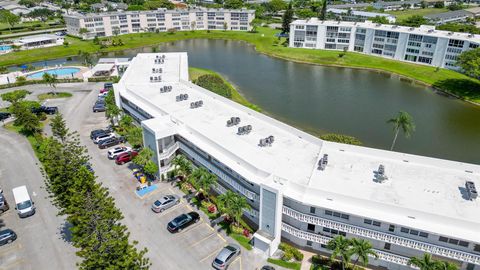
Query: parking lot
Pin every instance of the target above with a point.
(193, 248)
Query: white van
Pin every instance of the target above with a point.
(23, 204)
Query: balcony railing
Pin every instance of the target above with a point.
(385, 237)
(174, 147)
(382, 255)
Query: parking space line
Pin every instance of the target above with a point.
(203, 239)
(190, 229)
(221, 237)
(209, 255)
(10, 248)
(168, 210)
(239, 259)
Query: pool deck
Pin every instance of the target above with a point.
(12, 76)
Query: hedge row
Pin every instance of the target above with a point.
(104, 79)
(215, 84)
(16, 84)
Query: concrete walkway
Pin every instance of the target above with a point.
(307, 262)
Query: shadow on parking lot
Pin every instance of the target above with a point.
(2, 223)
(65, 233)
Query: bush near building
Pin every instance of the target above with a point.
(340, 138)
(290, 252)
(215, 84)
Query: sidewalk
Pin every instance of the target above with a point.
(307, 262)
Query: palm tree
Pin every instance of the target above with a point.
(51, 80)
(362, 249)
(424, 263)
(233, 205)
(443, 265)
(196, 174)
(205, 183)
(340, 247)
(404, 122)
(183, 167)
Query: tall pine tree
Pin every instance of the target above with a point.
(287, 19)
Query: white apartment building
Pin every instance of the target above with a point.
(301, 188)
(161, 20)
(422, 45)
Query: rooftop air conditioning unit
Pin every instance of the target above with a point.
(471, 190)
(322, 163)
(380, 173)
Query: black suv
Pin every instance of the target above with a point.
(110, 142)
(45, 109)
(7, 236)
(182, 221)
(99, 132)
(4, 115)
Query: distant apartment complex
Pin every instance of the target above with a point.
(357, 16)
(422, 45)
(117, 23)
(301, 188)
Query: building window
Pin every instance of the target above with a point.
(476, 248)
(376, 223)
(312, 210)
(311, 227)
(367, 221)
(387, 246)
(470, 266)
(423, 234)
(391, 228)
(328, 212)
(309, 243)
(404, 230)
(443, 239)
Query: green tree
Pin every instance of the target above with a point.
(205, 182)
(469, 61)
(182, 166)
(403, 122)
(135, 136)
(59, 127)
(9, 18)
(233, 4)
(414, 21)
(287, 18)
(87, 58)
(233, 205)
(51, 80)
(116, 30)
(340, 247)
(305, 13)
(380, 19)
(126, 122)
(323, 13)
(144, 156)
(151, 168)
(424, 263)
(444, 265)
(82, 31)
(362, 249)
(156, 4)
(42, 13)
(15, 96)
(275, 6)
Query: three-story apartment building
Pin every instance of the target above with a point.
(422, 45)
(301, 188)
(161, 20)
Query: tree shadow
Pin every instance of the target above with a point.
(465, 88)
(65, 233)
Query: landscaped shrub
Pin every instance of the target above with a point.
(340, 138)
(289, 250)
(215, 84)
(287, 255)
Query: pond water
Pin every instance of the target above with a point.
(322, 99)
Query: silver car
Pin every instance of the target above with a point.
(165, 202)
(226, 256)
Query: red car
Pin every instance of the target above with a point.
(104, 90)
(125, 157)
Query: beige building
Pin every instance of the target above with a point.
(161, 20)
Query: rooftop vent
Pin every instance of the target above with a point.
(233, 121)
(196, 104)
(159, 61)
(155, 78)
(471, 35)
(244, 130)
(181, 97)
(380, 173)
(322, 163)
(431, 30)
(411, 28)
(267, 141)
(450, 33)
(166, 89)
(157, 70)
(471, 190)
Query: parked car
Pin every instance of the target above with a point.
(116, 151)
(181, 222)
(103, 137)
(3, 204)
(108, 85)
(98, 107)
(45, 109)
(226, 256)
(89, 167)
(267, 267)
(102, 94)
(125, 157)
(7, 236)
(104, 90)
(23, 203)
(4, 115)
(164, 203)
(97, 132)
(110, 142)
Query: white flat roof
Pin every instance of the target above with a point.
(421, 192)
(37, 38)
(427, 30)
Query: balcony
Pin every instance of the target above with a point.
(169, 151)
(385, 237)
(382, 255)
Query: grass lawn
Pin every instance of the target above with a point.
(50, 95)
(236, 96)
(284, 264)
(242, 240)
(403, 14)
(264, 42)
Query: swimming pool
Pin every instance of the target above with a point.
(60, 72)
(5, 47)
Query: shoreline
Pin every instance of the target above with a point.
(262, 43)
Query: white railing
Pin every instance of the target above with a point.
(382, 255)
(174, 147)
(385, 237)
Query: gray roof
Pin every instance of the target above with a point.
(449, 15)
